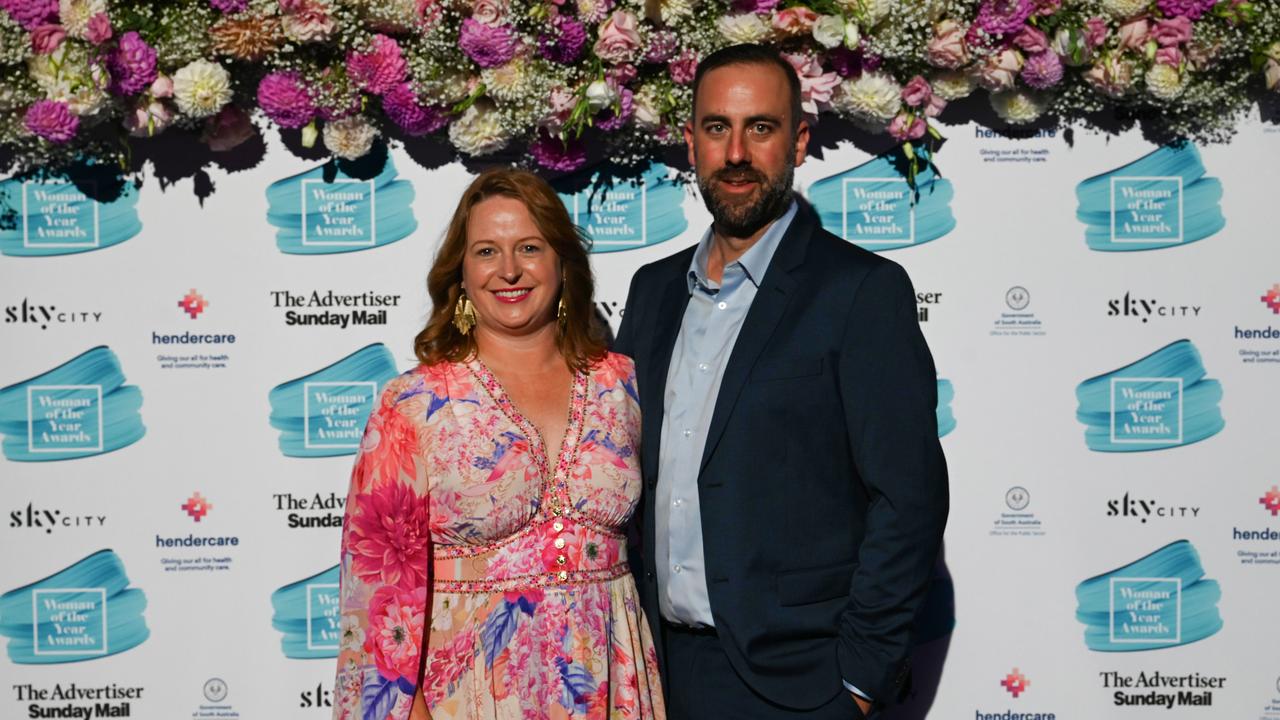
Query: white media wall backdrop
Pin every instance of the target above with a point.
(184, 385)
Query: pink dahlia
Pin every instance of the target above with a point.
(51, 120)
(229, 7)
(132, 65)
(1042, 70)
(564, 43)
(396, 621)
(388, 537)
(997, 18)
(402, 106)
(560, 155)
(285, 99)
(380, 69)
(1187, 8)
(31, 13)
(488, 45)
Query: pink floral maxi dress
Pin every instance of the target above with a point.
(454, 503)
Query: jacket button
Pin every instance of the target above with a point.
(649, 575)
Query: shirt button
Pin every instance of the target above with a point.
(559, 543)
(687, 432)
(703, 367)
(677, 502)
(560, 559)
(722, 304)
(564, 575)
(557, 526)
(676, 569)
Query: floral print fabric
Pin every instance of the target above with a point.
(456, 504)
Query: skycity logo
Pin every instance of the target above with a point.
(1016, 683)
(1271, 500)
(1144, 309)
(1144, 510)
(1272, 299)
(47, 520)
(29, 313)
(193, 303)
(197, 507)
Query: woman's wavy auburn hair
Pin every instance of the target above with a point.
(582, 338)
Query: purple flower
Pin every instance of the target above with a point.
(380, 69)
(1042, 70)
(132, 65)
(51, 120)
(1189, 8)
(31, 13)
(998, 18)
(844, 61)
(488, 45)
(284, 98)
(229, 7)
(609, 120)
(401, 105)
(565, 41)
(663, 45)
(555, 154)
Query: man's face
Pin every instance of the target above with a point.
(742, 147)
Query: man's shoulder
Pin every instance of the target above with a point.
(841, 258)
(673, 265)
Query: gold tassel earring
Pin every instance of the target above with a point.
(562, 315)
(464, 314)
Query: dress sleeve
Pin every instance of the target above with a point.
(384, 565)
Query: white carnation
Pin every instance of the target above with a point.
(75, 15)
(645, 102)
(1018, 107)
(201, 88)
(350, 137)
(869, 12)
(871, 96)
(1124, 8)
(744, 28)
(829, 31)
(1164, 82)
(953, 85)
(672, 10)
(507, 83)
(478, 131)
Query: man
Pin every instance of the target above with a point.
(795, 491)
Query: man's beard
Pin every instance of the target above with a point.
(752, 212)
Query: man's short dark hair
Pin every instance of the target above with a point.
(752, 54)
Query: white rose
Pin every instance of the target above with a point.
(870, 96)
(601, 95)
(1018, 107)
(744, 28)
(1164, 82)
(829, 30)
(201, 88)
(350, 137)
(479, 130)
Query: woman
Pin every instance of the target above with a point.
(491, 487)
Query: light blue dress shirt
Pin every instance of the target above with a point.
(708, 332)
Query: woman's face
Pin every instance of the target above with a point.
(509, 270)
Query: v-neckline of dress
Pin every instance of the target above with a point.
(555, 488)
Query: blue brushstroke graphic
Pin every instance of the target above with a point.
(308, 613)
(323, 414)
(1157, 201)
(1158, 601)
(345, 214)
(83, 612)
(56, 218)
(946, 416)
(78, 409)
(873, 207)
(630, 214)
(1163, 400)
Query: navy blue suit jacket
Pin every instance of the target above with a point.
(823, 486)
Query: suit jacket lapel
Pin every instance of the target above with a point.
(766, 310)
(671, 307)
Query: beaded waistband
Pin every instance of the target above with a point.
(550, 552)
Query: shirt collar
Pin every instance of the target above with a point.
(754, 262)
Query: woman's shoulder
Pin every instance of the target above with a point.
(613, 369)
(422, 378)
